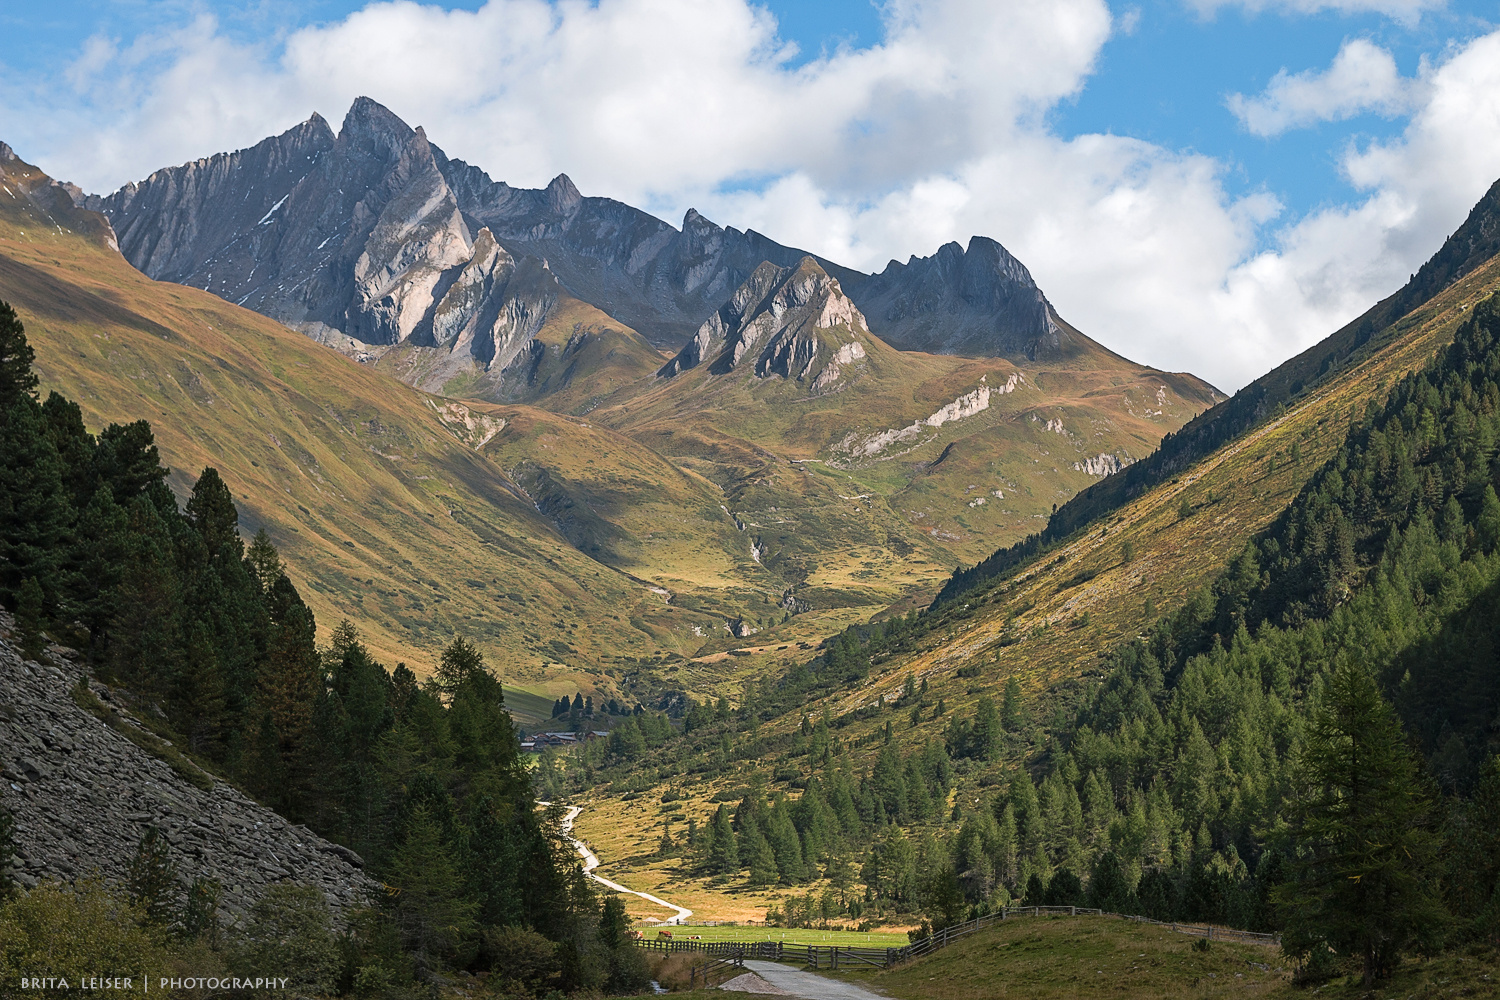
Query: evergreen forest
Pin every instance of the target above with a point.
(425, 781)
(1325, 715)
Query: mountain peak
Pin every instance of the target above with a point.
(368, 119)
(794, 322)
(562, 196)
(978, 301)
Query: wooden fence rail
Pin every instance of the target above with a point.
(839, 956)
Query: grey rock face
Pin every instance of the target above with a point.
(976, 302)
(83, 794)
(363, 234)
(352, 233)
(791, 322)
(495, 306)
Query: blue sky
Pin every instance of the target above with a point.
(1096, 140)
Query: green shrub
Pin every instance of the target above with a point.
(74, 932)
(290, 934)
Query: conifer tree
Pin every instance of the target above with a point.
(430, 907)
(264, 560)
(1363, 880)
(211, 510)
(759, 856)
(17, 380)
(460, 661)
(35, 508)
(1011, 708)
(723, 853)
(151, 879)
(988, 733)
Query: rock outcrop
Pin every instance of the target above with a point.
(787, 322)
(351, 234)
(82, 795)
(978, 302)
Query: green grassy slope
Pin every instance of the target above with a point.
(1469, 250)
(1049, 623)
(373, 491)
(1069, 957)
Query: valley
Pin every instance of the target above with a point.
(873, 603)
(662, 518)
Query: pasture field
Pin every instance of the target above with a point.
(727, 932)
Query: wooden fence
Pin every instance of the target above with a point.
(841, 957)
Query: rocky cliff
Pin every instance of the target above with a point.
(980, 301)
(83, 794)
(362, 234)
(787, 322)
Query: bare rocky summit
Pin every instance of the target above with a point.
(979, 301)
(358, 238)
(82, 795)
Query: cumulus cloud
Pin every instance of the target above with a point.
(938, 133)
(1363, 78)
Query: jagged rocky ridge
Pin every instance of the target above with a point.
(792, 322)
(82, 795)
(977, 301)
(363, 233)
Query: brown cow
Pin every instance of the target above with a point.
(664, 934)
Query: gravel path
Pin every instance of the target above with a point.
(808, 985)
(591, 861)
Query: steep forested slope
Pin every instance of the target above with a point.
(1471, 247)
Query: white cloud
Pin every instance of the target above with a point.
(1363, 78)
(1407, 11)
(938, 133)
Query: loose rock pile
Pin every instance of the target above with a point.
(82, 796)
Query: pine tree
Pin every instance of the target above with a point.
(1363, 880)
(724, 852)
(200, 912)
(945, 899)
(198, 693)
(264, 560)
(429, 904)
(35, 508)
(1011, 709)
(126, 460)
(151, 879)
(460, 661)
(17, 380)
(1473, 883)
(211, 510)
(988, 733)
(759, 857)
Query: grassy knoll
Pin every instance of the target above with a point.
(1067, 957)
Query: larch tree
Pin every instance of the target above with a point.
(1363, 880)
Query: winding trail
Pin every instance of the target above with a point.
(591, 861)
